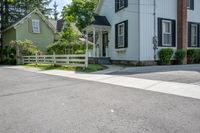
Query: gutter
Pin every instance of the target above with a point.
(155, 38)
(139, 30)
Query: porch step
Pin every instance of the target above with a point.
(104, 60)
(100, 60)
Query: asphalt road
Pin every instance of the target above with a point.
(38, 103)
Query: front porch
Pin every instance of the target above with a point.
(98, 33)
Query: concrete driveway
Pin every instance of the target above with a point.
(189, 74)
(39, 103)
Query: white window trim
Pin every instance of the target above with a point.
(119, 45)
(36, 29)
(119, 4)
(169, 33)
(192, 36)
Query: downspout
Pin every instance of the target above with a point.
(155, 38)
(139, 31)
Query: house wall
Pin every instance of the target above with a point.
(41, 40)
(164, 9)
(140, 14)
(194, 15)
(132, 52)
(8, 36)
(147, 24)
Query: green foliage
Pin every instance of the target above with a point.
(64, 47)
(26, 47)
(80, 12)
(91, 67)
(9, 55)
(193, 56)
(68, 33)
(180, 55)
(165, 56)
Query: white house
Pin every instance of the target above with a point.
(134, 30)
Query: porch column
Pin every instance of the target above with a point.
(182, 25)
(101, 43)
(94, 42)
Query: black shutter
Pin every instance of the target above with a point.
(189, 34)
(126, 34)
(192, 4)
(126, 3)
(173, 33)
(159, 31)
(116, 5)
(116, 36)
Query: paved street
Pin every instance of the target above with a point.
(179, 73)
(39, 103)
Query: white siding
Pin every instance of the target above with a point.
(130, 14)
(140, 46)
(194, 15)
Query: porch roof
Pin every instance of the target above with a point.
(99, 23)
(100, 20)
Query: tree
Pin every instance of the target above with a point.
(55, 11)
(80, 12)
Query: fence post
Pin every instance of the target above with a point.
(54, 58)
(23, 60)
(36, 59)
(86, 59)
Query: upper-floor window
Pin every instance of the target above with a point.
(36, 26)
(120, 4)
(190, 4)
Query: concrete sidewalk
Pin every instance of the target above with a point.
(180, 89)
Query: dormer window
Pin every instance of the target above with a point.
(190, 4)
(120, 4)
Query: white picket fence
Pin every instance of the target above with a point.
(64, 60)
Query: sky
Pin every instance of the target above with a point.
(61, 4)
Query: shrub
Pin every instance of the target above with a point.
(80, 52)
(165, 56)
(193, 56)
(64, 47)
(27, 47)
(180, 56)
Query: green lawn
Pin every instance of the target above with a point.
(42, 67)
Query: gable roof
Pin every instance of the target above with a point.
(100, 20)
(28, 16)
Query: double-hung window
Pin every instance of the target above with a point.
(36, 26)
(121, 29)
(194, 35)
(120, 4)
(121, 35)
(166, 33)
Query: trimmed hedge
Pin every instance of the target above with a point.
(180, 56)
(193, 56)
(165, 56)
